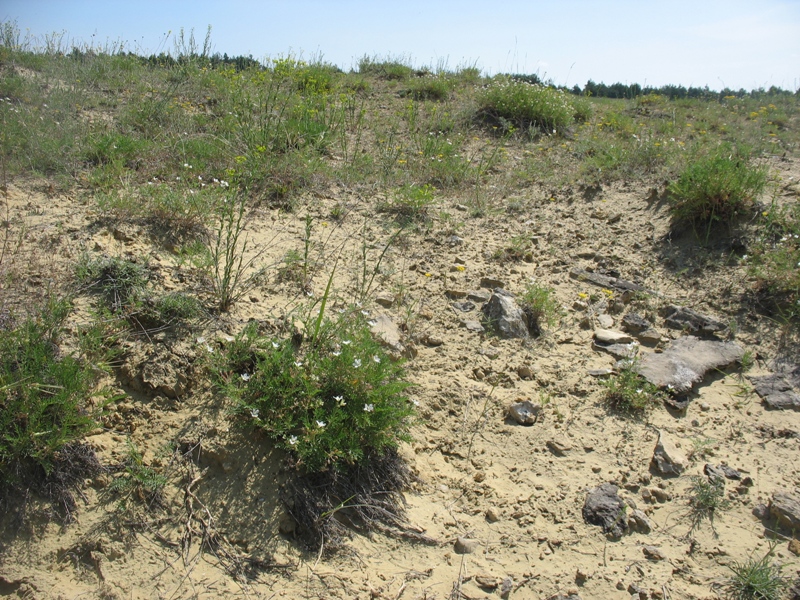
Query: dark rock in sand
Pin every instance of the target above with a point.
(604, 508)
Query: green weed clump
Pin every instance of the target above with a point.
(706, 499)
(43, 411)
(757, 579)
(522, 105)
(428, 88)
(541, 307)
(721, 186)
(136, 480)
(775, 263)
(410, 202)
(630, 393)
(391, 68)
(331, 402)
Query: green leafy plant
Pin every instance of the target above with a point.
(629, 392)
(719, 186)
(44, 410)
(706, 499)
(524, 105)
(410, 202)
(541, 308)
(757, 579)
(330, 402)
(137, 480)
(428, 88)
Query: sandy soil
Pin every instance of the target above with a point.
(481, 475)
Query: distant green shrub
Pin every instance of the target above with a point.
(719, 186)
(524, 105)
(390, 68)
(428, 88)
(330, 402)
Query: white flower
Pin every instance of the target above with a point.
(293, 440)
(254, 413)
(210, 349)
(275, 345)
(320, 424)
(369, 407)
(415, 402)
(346, 342)
(245, 376)
(357, 363)
(339, 400)
(201, 340)
(376, 359)
(297, 363)
(224, 183)
(336, 352)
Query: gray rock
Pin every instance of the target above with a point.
(634, 323)
(465, 306)
(606, 281)
(474, 326)
(730, 472)
(455, 294)
(620, 351)
(686, 319)
(776, 392)
(761, 511)
(385, 299)
(525, 412)
(525, 372)
(559, 446)
(638, 521)
(465, 545)
(608, 336)
(654, 553)
(714, 474)
(649, 337)
(599, 372)
(479, 296)
(491, 283)
(667, 458)
(384, 329)
(604, 508)
(686, 361)
(785, 507)
(605, 321)
(505, 315)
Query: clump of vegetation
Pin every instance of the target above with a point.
(44, 411)
(428, 88)
(706, 499)
(518, 248)
(395, 69)
(136, 480)
(775, 261)
(523, 105)
(119, 281)
(757, 579)
(721, 186)
(329, 402)
(410, 202)
(541, 307)
(336, 403)
(629, 392)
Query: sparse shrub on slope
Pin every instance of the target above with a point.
(719, 186)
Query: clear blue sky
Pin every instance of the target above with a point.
(717, 43)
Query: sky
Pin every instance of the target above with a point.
(718, 43)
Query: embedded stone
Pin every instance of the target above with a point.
(667, 458)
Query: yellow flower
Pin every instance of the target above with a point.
(428, 274)
(460, 267)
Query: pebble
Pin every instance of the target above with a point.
(492, 515)
(525, 412)
(653, 553)
(465, 545)
(609, 336)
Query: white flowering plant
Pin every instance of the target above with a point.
(329, 402)
(524, 105)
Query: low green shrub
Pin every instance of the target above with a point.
(722, 185)
(43, 410)
(138, 481)
(775, 261)
(428, 88)
(629, 392)
(119, 281)
(541, 307)
(330, 401)
(524, 105)
(757, 579)
(410, 202)
(706, 499)
(390, 68)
